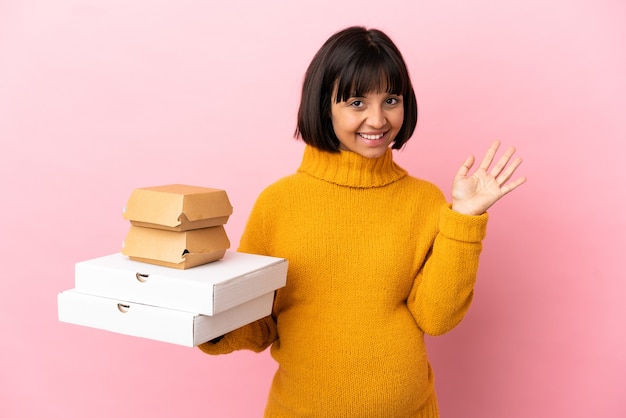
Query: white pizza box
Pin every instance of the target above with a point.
(156, 323)
(207, 289)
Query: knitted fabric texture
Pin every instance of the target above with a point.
(376, 259)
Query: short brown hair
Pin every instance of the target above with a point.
(353, 61)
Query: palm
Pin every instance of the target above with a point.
(474, 194)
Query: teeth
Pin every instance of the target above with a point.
(372, 137)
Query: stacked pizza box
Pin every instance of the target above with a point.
(175, 279)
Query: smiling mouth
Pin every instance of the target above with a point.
(371, 137)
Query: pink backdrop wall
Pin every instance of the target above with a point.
(99, 97)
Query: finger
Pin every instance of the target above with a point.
(509, 187)
(506, 175)
(505, 168)
(502, 162)
(465, 167)
(488, 158)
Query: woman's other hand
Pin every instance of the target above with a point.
(474, 194)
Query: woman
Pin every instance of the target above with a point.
(377, 258)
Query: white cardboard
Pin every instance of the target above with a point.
(207, 289)
(156, 323)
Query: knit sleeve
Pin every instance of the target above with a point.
(258, 335)
(444, 287)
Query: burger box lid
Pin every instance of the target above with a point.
(178, 207)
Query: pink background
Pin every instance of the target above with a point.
(100, 97)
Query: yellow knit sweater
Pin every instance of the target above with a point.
(376, 260)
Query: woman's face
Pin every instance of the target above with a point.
(367, 125)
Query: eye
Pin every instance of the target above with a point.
(392, 100)
(356, 103)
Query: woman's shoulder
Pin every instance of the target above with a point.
(281, 186)
(423, 186)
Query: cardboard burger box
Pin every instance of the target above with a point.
(185, 307)
(177, 225)
(181, 250)
(178, 207)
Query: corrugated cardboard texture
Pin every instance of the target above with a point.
(177, 249)
(178, 207)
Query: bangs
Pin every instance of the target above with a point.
(372, 72)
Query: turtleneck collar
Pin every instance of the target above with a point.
(347, 168)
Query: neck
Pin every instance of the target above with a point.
(347, 168)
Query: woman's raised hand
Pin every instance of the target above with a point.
(474, 194)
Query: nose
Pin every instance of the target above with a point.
(376, 117)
